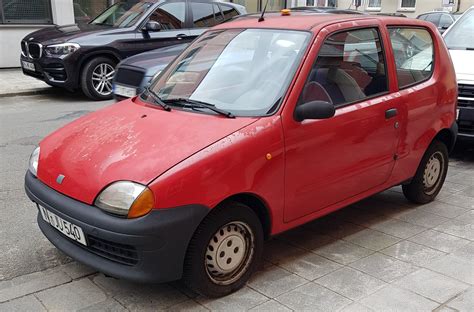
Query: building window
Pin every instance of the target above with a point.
(25, 12)
(406, 5)
(374, 5)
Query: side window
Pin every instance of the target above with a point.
(228, 11)
(350, 67)
(414, 54)
(445, 21)
(170, 15)
(206, 14)
(433, 18)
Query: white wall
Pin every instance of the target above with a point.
(11, 35)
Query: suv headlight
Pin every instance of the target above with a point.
(126, 198)
(61, 49)
(33, 162)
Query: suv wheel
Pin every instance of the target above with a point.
(97, 77)
(430, 175)
(224, 251)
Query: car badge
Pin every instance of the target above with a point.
(60, 179)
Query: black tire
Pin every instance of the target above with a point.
(87, 75)
(425, 186)
(221, 228)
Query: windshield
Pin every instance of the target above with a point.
(122, 14)
(245, 72)
(461, 34)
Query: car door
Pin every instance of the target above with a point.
(172, 16)
(203, 15)
(330, 160)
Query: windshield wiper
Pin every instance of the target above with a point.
(157, 99)
(199, 104)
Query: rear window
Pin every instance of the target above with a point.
(206, 14)
(414, 54)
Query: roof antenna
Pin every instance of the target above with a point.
(261, 19)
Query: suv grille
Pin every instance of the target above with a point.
(121, 253)
(35, 50)
(24, 48)
(465, 95)
(129, 77)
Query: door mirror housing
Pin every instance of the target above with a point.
(314, 110)
(152, 26)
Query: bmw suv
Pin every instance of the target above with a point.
(85, 56)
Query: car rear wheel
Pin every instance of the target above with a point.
(224, 251)
(430, 175)
(97, 77)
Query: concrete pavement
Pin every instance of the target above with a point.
(381, 254)
(14, 82)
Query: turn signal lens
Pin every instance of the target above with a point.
(285, 12)
(142, 205)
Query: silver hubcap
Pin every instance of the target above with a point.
(229, 253)
(432, 174)
(102, 76)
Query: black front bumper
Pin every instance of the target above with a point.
(466, 123)
(147, 249)
(58, 72)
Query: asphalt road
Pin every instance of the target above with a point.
(24, 121)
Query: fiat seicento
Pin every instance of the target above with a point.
(257, 127)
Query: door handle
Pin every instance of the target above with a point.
(390, 113)
(180, 36)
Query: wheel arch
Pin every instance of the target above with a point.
(447, 136)
(258, 205)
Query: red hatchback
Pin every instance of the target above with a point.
(256, 128)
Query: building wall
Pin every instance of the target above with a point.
(11, 35)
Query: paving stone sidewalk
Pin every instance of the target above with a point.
(13, 82)
(381, 254)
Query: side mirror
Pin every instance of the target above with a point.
(314, 110)
(152, 26)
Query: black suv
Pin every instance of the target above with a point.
(85, 56)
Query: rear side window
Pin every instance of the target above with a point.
(206, 14)
(414, 54)
(350, 67)
(228, 12)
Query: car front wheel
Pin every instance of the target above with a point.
(430, 175)
(225, 250)
(97, 77)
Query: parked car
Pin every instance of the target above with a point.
(133, 74)
(257, 127)
(317, 9)
(441, 19)
(460, 41)
(85, 55)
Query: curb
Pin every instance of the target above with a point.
(46, 90)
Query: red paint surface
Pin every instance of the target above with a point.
(317, 166)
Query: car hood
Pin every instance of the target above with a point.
(60, 34)
(126, 141)
(463, 64)
(155, 60)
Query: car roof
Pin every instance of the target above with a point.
(304, 20)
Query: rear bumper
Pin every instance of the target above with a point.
(147, 249)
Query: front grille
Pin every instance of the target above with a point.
(24, 48)
(465, 95)
(121, 253)
(466, 127)
(129, 77)
(35, 50)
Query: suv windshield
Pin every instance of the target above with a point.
(461, 35)
(122, 14)
(245, 72)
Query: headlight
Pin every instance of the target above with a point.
(61, 49)
(33, 162)
(126, 198)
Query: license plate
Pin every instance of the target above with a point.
(72, 231)
(125, 91)
(28, 65)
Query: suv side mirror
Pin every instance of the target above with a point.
(314, 110)
(152, 26)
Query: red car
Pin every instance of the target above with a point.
(256, 128)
